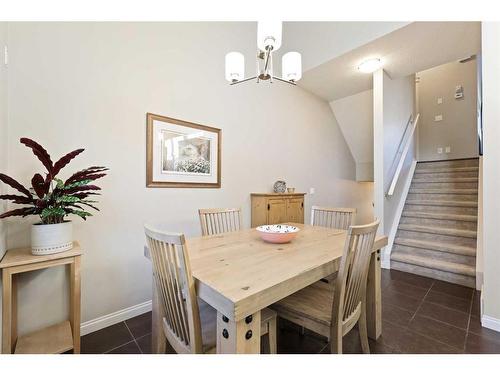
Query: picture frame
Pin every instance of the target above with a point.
(182, 154)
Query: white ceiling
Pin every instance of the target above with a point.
(319, 42)
(410, 49)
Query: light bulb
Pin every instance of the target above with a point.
(291, 66)
(235, 66)
(269, 35)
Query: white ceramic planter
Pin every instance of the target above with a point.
(51, 238)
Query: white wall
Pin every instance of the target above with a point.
(458, 129)
(491, 177)
(354, 115)
(90, 85)
(3, 139)
(394, 102)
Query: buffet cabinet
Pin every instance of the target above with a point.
(276, 208)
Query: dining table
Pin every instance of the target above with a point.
(239, 274)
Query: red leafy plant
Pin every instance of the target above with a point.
(49, 197)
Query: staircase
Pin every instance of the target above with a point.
(437, 232)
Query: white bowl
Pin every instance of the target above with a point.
(278, 233)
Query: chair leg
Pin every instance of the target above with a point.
(363, 332)
(272, 333)
(336, 343)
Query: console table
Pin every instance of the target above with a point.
(58, 338)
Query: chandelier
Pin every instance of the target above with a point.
(268, 42)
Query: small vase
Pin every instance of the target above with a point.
(51, 238)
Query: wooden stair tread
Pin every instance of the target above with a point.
(442, 191)
(51, 340)
(438, 246)
(445, 179)
(439, 230)
(431, 202)
(437, 264)
(446, 169)
(439, 216)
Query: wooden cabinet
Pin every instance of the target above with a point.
(274, 208)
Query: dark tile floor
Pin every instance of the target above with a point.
(420, 315)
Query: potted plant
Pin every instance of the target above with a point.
(53, 199)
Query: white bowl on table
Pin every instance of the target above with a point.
(277, 233)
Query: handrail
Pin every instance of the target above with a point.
(395, 179)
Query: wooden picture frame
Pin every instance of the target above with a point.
(182, 154)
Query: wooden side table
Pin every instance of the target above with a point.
(58, 338)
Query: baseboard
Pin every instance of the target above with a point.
(113, 318)
(386, 255)
(479, 280)
(490, 322)
(386, 263)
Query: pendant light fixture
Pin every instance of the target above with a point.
(268, 42)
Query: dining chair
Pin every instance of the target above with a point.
(332, 217)
(339, 218)
(219, 220)
(189, 323)
(332, 310)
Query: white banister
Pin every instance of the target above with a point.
(395, 179)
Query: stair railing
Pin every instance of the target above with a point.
(406, 141)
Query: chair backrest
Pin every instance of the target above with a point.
(219, 220)
(350, 285)
(340, 218)
(176, 290)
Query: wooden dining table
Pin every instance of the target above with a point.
(239, 274)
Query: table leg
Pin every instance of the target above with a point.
(374, 298)
(159, 341)
(75, 302)
(8, 311)
(238, 337)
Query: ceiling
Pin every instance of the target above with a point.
(319, 42)
(415, 47)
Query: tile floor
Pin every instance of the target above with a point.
(420, 315)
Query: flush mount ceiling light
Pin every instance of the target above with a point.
(370, 65)
(268, 41)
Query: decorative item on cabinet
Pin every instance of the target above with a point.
(277, 208)
(279, 186)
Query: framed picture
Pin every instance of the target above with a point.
(182, 154)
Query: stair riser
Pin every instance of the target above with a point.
(463, 241)
(433, 254)
(443, 197)
(439, 223)
(446, 174)
(443, 185)
(442, 209)
(436, 246)
(435, 274)
(450, 163)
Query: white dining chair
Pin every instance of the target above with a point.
(333, 217)
(332, 310)
(189, 324)
(219, 220)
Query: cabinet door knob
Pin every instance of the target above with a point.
(268, 206)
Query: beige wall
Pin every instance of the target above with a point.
(393, 103)
(3, 128)
(354, 115)
(90, 85)
(491, 177)
(3, 139)
(459, 126)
